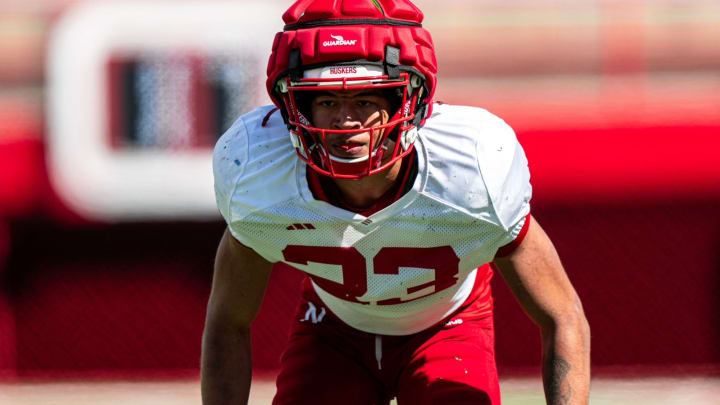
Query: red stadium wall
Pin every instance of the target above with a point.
(648, 277)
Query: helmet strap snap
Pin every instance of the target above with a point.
(392, 61)
(294, 65)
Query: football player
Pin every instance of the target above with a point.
(395, 207)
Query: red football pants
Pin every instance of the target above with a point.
(327, 362)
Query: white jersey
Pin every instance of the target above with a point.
(406, 267)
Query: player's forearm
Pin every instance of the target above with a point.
(226, 367)
(566, 363)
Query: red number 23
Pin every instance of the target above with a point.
(442, 260)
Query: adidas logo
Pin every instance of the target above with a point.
(298, 227)
(339, 41)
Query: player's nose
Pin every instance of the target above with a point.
(345, 117)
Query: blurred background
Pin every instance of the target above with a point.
(108, 227)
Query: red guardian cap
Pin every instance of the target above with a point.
(334, 45)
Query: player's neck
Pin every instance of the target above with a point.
(366, 191)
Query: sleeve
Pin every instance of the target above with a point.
(518, 234)
(252, 169)
(505, 170)
(229, 158)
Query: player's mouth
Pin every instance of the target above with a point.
(348, 148)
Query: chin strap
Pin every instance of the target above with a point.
(420, 115)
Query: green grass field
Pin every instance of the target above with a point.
(516, 391)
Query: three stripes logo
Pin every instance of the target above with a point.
(299, 227)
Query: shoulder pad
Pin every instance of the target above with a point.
(253, 165)
(481, 148)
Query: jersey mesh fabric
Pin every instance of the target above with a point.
(407, 266)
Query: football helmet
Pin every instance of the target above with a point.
(336, 45)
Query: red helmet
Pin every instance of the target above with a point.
(331, 45)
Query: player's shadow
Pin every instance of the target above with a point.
(441, 392)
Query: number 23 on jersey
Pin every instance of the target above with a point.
(441, 260)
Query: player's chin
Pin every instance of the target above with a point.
(349, 153)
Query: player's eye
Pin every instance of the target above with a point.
(325, 103)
